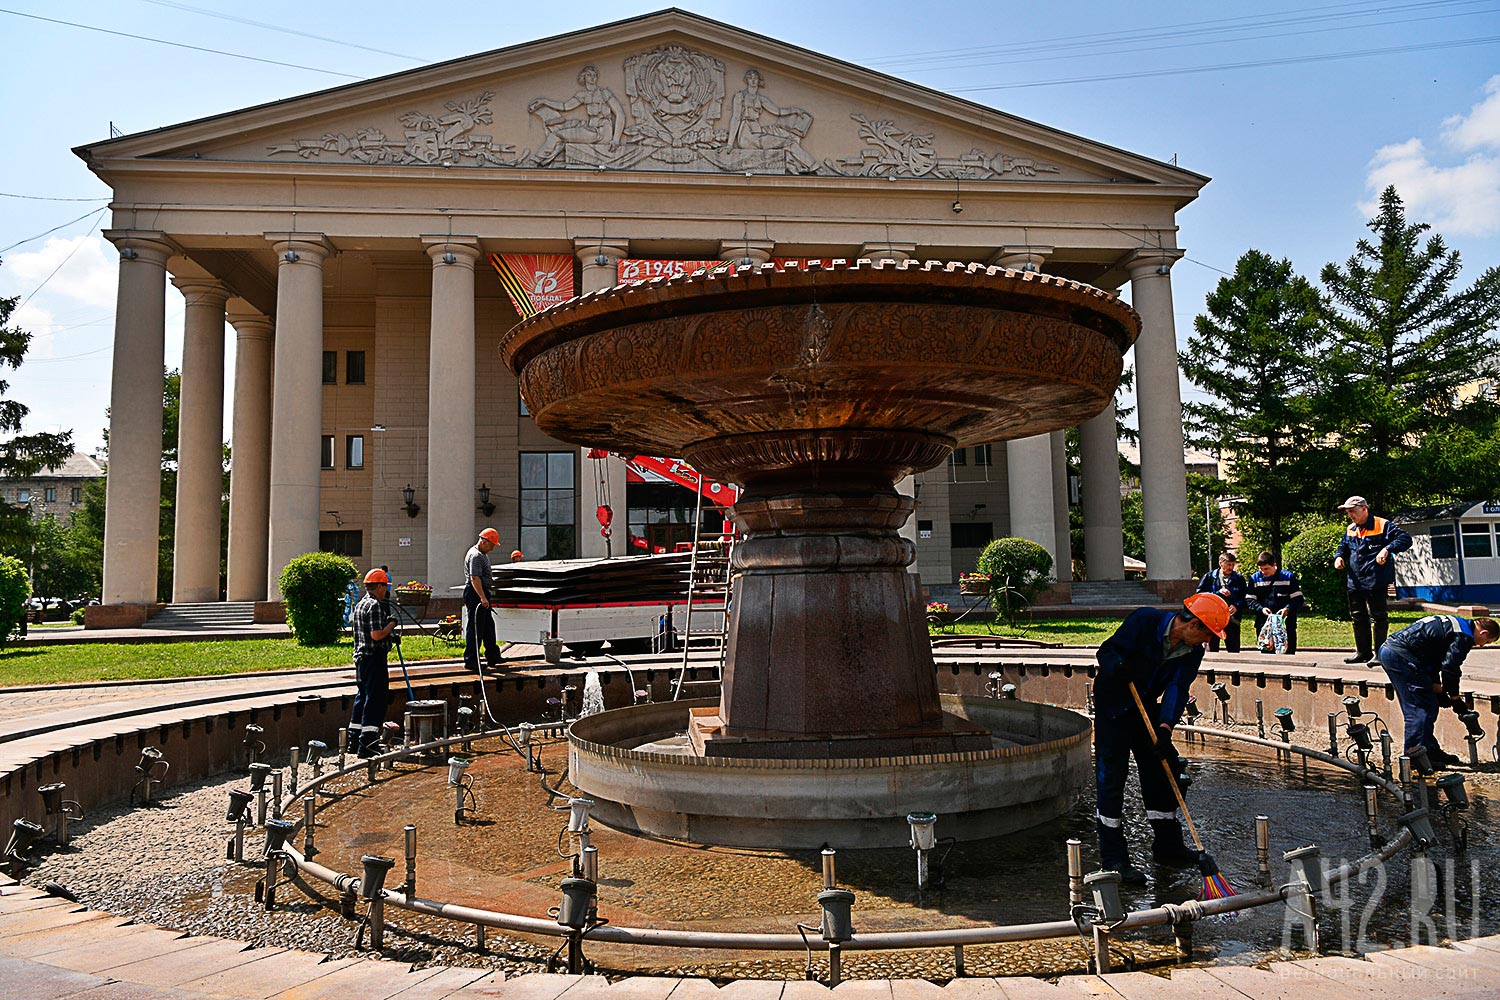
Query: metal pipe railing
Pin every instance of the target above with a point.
(1170, 914)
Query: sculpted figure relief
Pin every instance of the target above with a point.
(672, 117)
(602, 123)
(757, 123)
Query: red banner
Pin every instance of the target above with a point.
(632, 269)
(534, 281)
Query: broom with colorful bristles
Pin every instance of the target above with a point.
(1215, 885)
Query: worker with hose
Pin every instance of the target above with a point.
(1424, 662)
(480, 628)
(374, 633)
(1158, 652)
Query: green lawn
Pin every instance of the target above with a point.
(1312, 631)
(22, 664)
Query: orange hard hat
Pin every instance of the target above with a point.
(517, 556)
(490, 535)
(1211, 610)
(376, 576)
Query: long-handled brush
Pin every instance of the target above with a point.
(1215, 885)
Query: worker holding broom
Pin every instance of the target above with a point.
(374, 632)
(1140, 691)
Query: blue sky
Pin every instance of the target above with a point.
(1299, 114)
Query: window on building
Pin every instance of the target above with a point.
(49, 494)
(1443, 546)
(75, 495)
(1477, 541)
(354, 451)
(982, 454)
(354, 367)
(547, 502)
(327, 459)
(960, 456)
(330, 367)
(972, 534)
(23, 496)
(342, 543)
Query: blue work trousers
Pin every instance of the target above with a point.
(1413, 682)
(1115, 741)
(480, 631)
(372, 697)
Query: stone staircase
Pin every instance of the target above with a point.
(1099, 593)
(204, 617)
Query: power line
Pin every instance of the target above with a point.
(1249, 64)
(39, 197)
(64, 261)
(180, 45)
(276, 27)
(33, 239)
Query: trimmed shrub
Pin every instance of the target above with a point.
(1310, 555)
(15, 588)
(313, 586)
(76, 617)
(1021, 561)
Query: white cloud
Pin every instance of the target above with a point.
(88, 276)
(1457, 188)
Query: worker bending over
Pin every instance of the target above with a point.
(1159, 652)
(1424, 662)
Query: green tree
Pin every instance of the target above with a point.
(1406, 340)
(14, 589)
(59, 568)
(21, 455)
(1255, 352)
(313, 585)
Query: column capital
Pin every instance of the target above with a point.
(202, 291)
(1146, 261)
(589, 251)
(452, 250)
(308, 248)
(887, 251)
(146, 245)
(249, 323)
(1017, 256)
(758, 251)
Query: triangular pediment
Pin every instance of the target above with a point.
(667, 92)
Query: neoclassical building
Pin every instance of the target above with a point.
(369, 244)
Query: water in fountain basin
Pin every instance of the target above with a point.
(593, 695)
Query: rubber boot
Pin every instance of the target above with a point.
(1363, 648)
(1382, 628)
(1167, 847)
(1114, 855)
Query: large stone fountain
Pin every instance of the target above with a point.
(816, 390)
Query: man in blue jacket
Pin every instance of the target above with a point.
(1275, 591)
(1159, 652)
(1230, 585)
(1424, 662)
(1365, 551)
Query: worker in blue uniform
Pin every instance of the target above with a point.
(1229, 584)
(1425, 663)
(1366, 552)
(1158, 651)
(1272, 590)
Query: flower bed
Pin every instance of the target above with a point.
(974, 583)
(413, 593)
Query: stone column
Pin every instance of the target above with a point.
(200, 443)
(591, 544)
(297, 406)
(1021, 257)
(250, 460)
(1062, 527)
(1159, 398)
(1099, 451)
(133, 498)
(887, 251)
(1028, 480)
(451, 418)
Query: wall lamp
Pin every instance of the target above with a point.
(485, 506)
(408, 501)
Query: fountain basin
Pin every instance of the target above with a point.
(634, 763)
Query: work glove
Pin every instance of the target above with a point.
(396, 637)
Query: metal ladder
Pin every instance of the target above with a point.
(709, 575)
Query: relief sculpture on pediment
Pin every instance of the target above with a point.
(672, 117)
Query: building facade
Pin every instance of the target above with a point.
(53, 492)
(364, 245)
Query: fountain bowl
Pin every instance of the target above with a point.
(634, 763)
